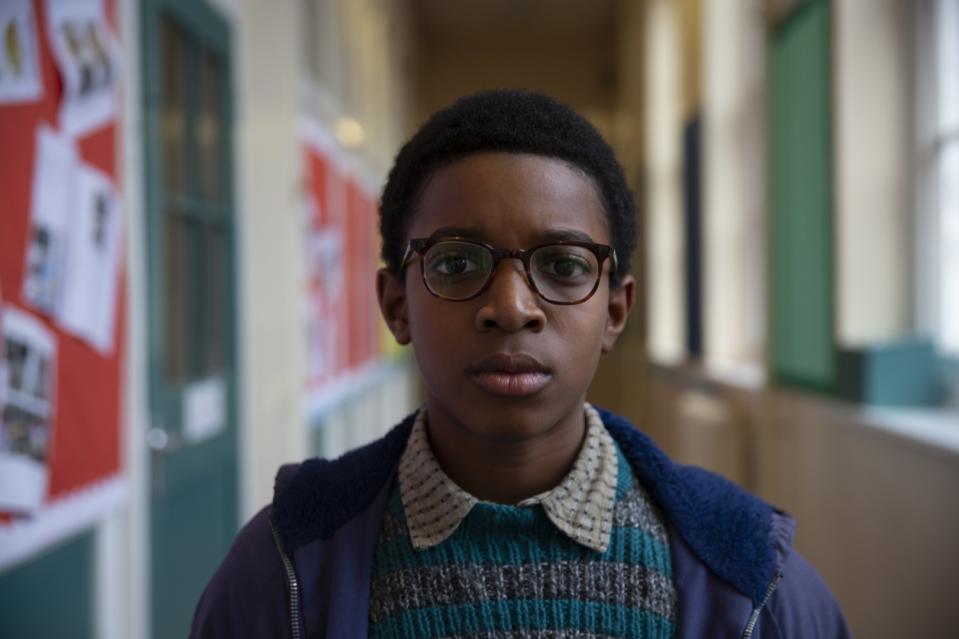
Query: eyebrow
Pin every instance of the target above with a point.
(552, 235)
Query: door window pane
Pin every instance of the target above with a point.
(177, 232)
(216, 321)
(208, 129)
(174, 114)
(196, 223)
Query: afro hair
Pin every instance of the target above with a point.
(509, 121)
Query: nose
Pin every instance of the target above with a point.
(509, 302)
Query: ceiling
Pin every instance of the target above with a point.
(470, 20)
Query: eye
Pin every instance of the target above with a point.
(564, 265)
(569, 267)
(453, 265)
(453, 261)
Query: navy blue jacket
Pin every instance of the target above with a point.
(301, 567)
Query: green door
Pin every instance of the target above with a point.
(192, 352)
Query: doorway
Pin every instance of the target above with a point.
(191, 271)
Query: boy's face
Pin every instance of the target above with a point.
(506, 365)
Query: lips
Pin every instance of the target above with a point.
(511, 374)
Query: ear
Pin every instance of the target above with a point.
(621, 300)
(391, 294)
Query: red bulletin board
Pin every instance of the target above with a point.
(326, 307)
(83, 452)
(339, 205)
(361, 273)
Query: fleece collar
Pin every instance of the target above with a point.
(730, 530)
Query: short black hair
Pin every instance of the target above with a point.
(512, 121)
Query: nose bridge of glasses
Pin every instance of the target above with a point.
(522, 268)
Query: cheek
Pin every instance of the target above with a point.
(436, 329)
(584, 323)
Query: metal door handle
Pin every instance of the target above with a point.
(161, 443)
(161, 440)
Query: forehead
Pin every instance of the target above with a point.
(510, 199)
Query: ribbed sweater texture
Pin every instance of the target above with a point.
(507, 571)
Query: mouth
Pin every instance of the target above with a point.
(511, 374)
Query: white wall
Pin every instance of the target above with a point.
(121, 550)
(272, 261)
(874, 208)
(734, 191)
(664, 241)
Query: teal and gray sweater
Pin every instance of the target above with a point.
(507, 571)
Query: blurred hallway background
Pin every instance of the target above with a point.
(796, 170)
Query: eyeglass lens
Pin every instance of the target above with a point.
(560, 272)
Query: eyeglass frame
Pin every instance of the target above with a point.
(419, 246)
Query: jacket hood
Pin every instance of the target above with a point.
(738, 536)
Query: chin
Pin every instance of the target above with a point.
(511, 420)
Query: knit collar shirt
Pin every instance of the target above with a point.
(581, 505)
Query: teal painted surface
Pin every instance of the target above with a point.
(949, 381)
(51, 596)
(949, 368)
(904, 373)
(800, 162)
(193, 524)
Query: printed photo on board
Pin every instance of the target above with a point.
(20, 79)
(326, 257)
(86, 54)
(27, 411)
(88, 301)
(325, 284)
(74, 243)
(51, 201)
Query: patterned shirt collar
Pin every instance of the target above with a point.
(581, 506)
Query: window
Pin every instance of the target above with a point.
(938, 180)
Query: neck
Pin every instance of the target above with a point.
(505, 471)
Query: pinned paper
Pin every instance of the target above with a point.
(74, 244)
(92, 257)
(20, 79)
(87, 55)
(26, 426)
(54, 171)
(325, 259)
(204, 409)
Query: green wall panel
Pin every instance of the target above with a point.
(52, 596)
(800, 165)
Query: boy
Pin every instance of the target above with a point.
(507, 506)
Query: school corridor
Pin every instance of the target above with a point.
(189, 241)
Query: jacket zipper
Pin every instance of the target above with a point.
(754, 618)
(291, 582)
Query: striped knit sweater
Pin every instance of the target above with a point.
(507, 571)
